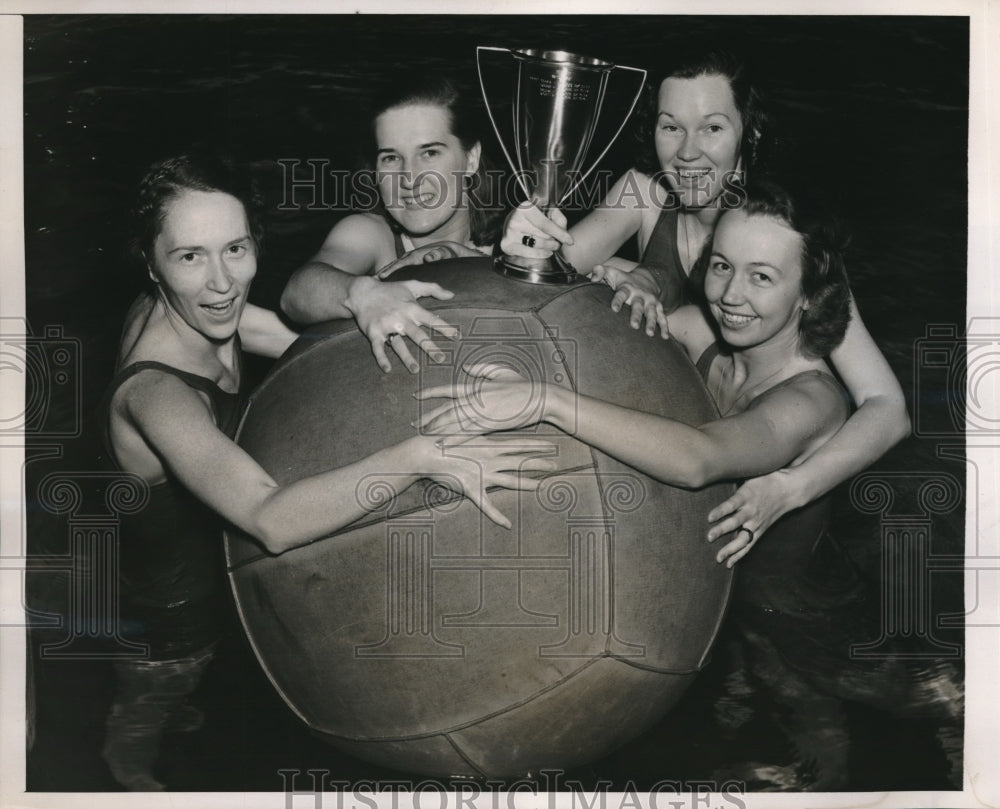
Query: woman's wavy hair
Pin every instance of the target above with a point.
(709, 62)
(486, 212)
(167, 179)
(825, 286)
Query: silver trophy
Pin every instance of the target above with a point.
(558, 98)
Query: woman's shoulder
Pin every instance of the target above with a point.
(358, 243)
(148, 392)
(816, 386)
(363, 225)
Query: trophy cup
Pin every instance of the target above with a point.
(557, 98)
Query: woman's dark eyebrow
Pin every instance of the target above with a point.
(421, 146)
(196, 248)
(774, 267)
(703, 117)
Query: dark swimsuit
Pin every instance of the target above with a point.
(397, 243)
(796, 569)
(662, 258)
(172, 570)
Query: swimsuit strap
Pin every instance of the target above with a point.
(397, 244)
(225, 406)
(711, 353)
(705, 361)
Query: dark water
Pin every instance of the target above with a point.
(875, 109)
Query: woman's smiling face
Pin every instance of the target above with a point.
(697, 137)
(754, 280)
(204, 260)
(421, 165)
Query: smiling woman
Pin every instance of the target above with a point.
(205, 261)
(431, 181)
(170, 416)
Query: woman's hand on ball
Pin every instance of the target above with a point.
(471, 466)
(489, 399)
(751, 511)
(387, 313)
(635, 289)
(529, 233)
(429, 253)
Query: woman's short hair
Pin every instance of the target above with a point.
(709, 62)
(486, 211)
(167, 179)
(823, 323)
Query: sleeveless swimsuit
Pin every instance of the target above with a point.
(662, 258)
(172, 571)
(399, 242)
(795, 568)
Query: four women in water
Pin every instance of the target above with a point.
(775, 289)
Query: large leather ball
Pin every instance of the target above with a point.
(426, 638)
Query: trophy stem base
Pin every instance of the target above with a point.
(553, 270)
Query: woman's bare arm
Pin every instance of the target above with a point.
(781, 425)
(175, 422)
(880, 421)
(263, 332)
(318, 290)
(594, 239)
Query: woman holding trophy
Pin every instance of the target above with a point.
(700, 135)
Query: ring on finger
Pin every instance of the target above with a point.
(528, 240)
(388, 339)
(749, 531)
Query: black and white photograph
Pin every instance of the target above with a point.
(499, 405)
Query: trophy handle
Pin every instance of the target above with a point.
(631, 109)
(489, 112)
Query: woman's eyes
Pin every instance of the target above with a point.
(234, 250)
(760, 278)
(719, 266)
(712, 129)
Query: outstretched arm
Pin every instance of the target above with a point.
(176, 423)
(880, 421)
(777, 429)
